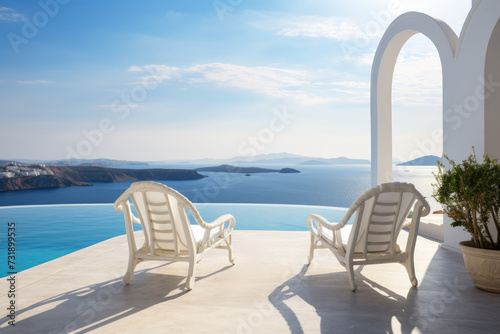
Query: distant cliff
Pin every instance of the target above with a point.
(103, 174)
(289, 171)
(37, 182)
(428, 160)
(245, 170)
(65, 176)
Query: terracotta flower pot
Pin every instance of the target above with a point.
(483, 266)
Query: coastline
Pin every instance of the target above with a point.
(69, 176)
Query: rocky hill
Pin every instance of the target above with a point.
(103, 174)
(37, 182)
(428, 160)
(65, 176)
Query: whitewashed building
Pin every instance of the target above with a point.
(471, 88)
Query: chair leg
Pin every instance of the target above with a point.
(132, 263)
(230, 250)
(311, 250)
(350, 276)
(410, 268)
(191, 274)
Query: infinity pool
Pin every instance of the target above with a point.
(46, 232)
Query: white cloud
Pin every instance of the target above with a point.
(270, 81)
(365, 59)
(341, 29)
(135, 69)
(315, 26)
(8, 14)
(35, 82)
(151, 80)
(418, 79)
(265, 79)
(352, 91)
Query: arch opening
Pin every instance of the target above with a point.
(407, 25)
(417, 114)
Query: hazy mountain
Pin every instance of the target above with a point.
(278, 161)
(335, 161)
(316, 162)
(348, 161)
(281, 159)
(78, 162)
(260, 159)
(428, 160)
(270, 158)
(5, 162)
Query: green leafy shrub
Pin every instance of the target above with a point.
(470, 195)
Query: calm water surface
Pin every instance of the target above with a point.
(47, 232)
(316, 185)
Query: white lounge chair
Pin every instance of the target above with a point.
(371, 239)
(169, 236)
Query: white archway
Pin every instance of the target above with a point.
(398, 33)
(471, 89)
(492, 96)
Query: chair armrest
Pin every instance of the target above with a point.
(120, 207)
(135, 219)
(219, 222)
(323, 223)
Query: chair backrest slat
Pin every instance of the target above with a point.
(387, 203)
(372, 223)
(162, 212)
(385, 210)
(380, 233)
(384, 214)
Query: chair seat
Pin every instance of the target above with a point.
(199, 231)
(344, 232)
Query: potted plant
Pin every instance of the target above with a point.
(470, 195)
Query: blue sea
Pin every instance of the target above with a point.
(315, 185)
(46, 230)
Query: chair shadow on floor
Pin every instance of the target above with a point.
(445, 300)
(91, 307)
(340, 309)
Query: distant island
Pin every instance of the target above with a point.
(245, 170)
(428, 160)
(20, 177)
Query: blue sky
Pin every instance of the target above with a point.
(167, 80)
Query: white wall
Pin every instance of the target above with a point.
(469, 118)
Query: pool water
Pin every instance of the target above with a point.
(46, 232)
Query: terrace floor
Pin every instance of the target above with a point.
(269, 290)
